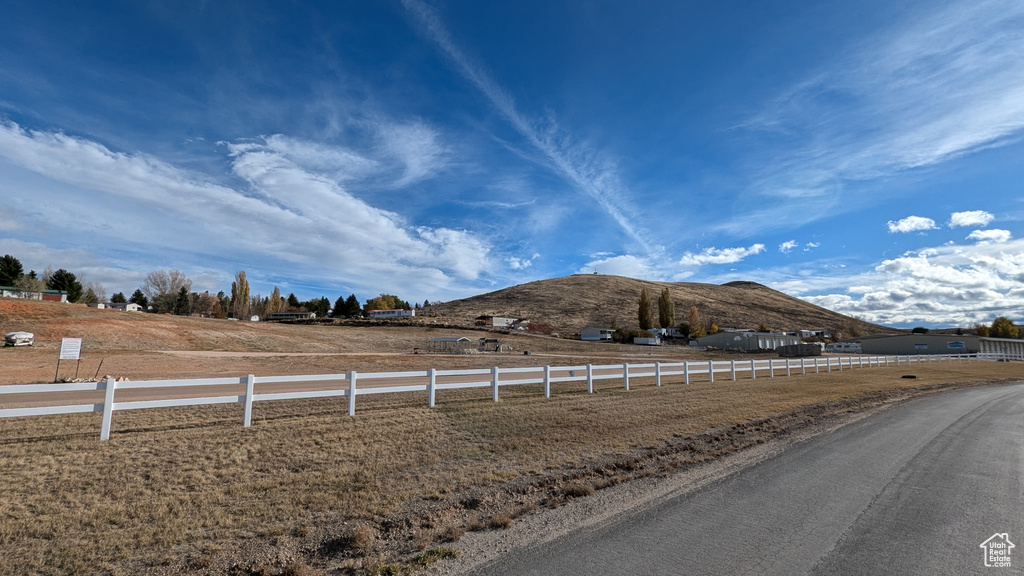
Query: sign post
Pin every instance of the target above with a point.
(70, 349)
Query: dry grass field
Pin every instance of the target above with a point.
(310, 490)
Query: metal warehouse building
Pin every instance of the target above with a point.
(937, 344)
(749, 341)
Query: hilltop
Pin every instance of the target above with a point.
(571, 303)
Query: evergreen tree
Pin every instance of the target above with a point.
(139, 298)
(352, 307)
(10, 270)
(182, 303)
(293, 302)
(118, 298)
(66, 282)
(90, 297)
(666, 309)
(645, 315)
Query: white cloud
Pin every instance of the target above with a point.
(521, 263)
(719, 256)
(989, 236)
(788, 245)
(289, 214)
(912, 224)
(970, 218)
(593, 175)
(624, 265)
(948, 285)
(811, 246)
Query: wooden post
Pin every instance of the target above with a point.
(250, 385)
(352, 393)
(108, 409)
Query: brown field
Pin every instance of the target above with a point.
(310, 490)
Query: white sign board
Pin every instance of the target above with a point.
(70, 348)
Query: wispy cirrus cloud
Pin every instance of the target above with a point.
(574, 162)
(860, 117)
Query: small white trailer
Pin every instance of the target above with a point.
(19, 339)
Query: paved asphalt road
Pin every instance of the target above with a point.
(911, 490)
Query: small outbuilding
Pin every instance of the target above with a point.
(597, 334)
(747, 340)
(449, 345)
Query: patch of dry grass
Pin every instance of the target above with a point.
(183, 490)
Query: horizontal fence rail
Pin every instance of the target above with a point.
(351, 384)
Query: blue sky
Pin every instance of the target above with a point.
(864, 156)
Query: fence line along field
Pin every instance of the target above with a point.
(309, 489)
(52, 399)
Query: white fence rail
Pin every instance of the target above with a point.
(243, 390)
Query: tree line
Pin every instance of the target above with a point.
(170, 292)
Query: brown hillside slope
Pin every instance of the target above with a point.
(572, 303)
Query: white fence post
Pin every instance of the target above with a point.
(625, 375)
(787, 367)
(657, 373)
(590, 378)
(732, 368)
(250, 384)
(828, 364)
(711, 370)
(547, 381)
(431, 387)
(352, 393)
(815, 365)
(686, 372)
(753, 371)
(771, 368)
(108, 409)
(803, 366)
(494, 384)
(840, 363)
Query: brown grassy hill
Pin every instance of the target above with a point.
(571, 303)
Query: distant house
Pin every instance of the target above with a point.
(647, 341)
(596, 334)
(497, 321)
(122, 306)
(391, 313)
(46, 295)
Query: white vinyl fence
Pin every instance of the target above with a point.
(352, 384)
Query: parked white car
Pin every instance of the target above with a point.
(19, 339)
